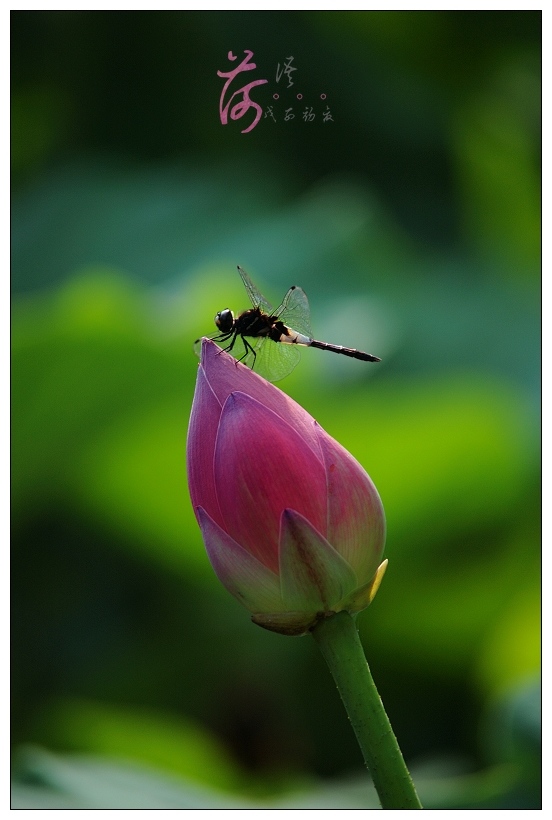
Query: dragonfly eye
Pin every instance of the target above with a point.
(224, 320)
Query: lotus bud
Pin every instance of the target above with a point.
(293, 525)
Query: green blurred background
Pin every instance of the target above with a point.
(413, 222)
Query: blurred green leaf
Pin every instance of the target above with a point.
(89, 782)
(47, 781)
(133, 477)
(80, 359)
(165, 742)
(490, 788)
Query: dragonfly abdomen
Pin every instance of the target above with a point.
(345, 351)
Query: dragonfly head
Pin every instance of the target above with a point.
(224, 320)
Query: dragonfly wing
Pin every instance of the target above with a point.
(274, 360)
(294, 311)
(255, 295)
(197, 347)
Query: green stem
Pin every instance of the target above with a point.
(339, 642)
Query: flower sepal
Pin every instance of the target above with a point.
(293, 624)
(300, 623)
(363, 596)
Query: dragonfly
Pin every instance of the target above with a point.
(271, 339)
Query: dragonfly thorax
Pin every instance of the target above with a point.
(224, 320)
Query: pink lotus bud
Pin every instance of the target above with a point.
(292, 524)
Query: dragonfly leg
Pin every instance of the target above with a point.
(248, 349)
(225, 337)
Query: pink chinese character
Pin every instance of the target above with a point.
(240, 108)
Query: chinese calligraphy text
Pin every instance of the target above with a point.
(239, 109)
(235, 105)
